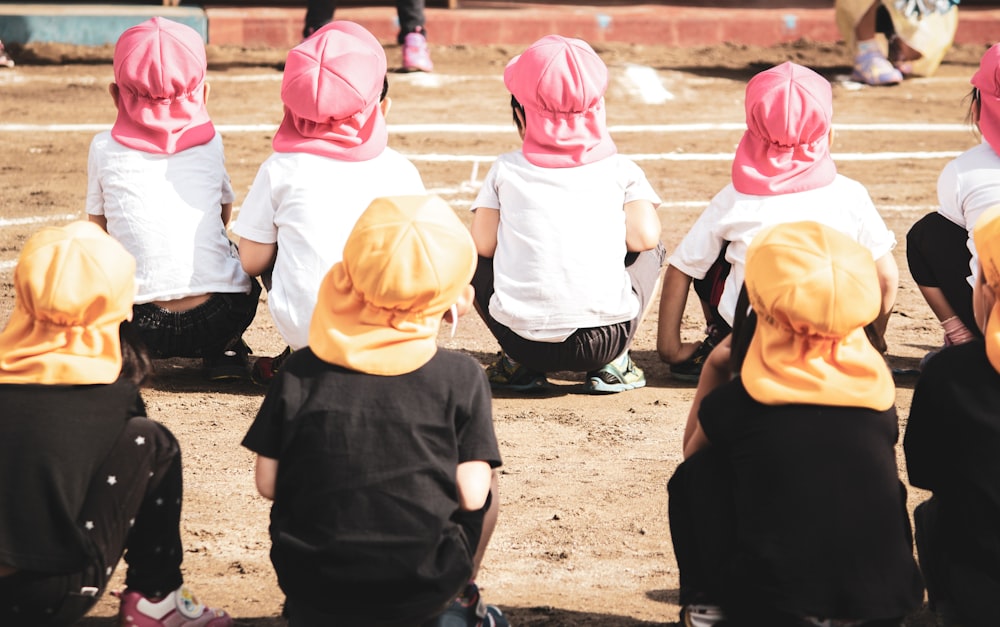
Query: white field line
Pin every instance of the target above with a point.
(645, 82)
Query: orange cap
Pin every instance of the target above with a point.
(74, 286)
(405, 263)
(813, 289)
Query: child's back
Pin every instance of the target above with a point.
(330, 160)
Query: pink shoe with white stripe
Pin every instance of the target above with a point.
(180, 608)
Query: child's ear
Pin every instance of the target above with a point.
(829, 139)
(522, 123)
(115, 94)
(208, 88)
(385, 105)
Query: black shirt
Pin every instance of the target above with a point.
(952, 447)
(821, 521)
(52, 440)
(365, 492)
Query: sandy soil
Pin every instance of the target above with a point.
(583, 537)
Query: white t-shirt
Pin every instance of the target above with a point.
(166, 211)
(308, 205)
(559, 262)
(844, 205)
(968, 186)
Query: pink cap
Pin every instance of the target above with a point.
(987, 81)
(561, 84)
(160, 70)
(331, 89)
(786, 147)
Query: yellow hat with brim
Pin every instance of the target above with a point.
(986, 235)
(813, 289)
(406, 262)
(74, 286)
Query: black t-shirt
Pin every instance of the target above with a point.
(952, 447)
(362, 520)
(52, 440)
(821, 522)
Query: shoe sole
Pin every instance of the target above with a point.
(598, 386)
(688, 378)
(523, 387)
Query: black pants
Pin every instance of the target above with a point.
(204, 331)
(409, 12)
(133, 505)
(937, 254)
(587, 349)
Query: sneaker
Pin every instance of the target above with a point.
(507, 374)
(620, 375)
(180, 608)
(232, 364)
(5, 60)
(468, 610)
(416, 56)
(872, 68)
(265, 368)
(690, 368)
(701, 615)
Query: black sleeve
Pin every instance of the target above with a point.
(477, 439)
(265, 434)
(717, 412)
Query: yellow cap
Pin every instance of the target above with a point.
(405, 263)
(986, 235)
(813, 289)
(74, 286)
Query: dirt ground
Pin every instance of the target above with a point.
(583, 535)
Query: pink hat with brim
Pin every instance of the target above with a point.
(331, 89)
(987, 81)
(786, 147)
(160, 68)
(560, 82)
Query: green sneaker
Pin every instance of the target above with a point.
(507, 374)
(620, 375)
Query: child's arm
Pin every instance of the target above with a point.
(474, 479)
(642, 226)
(888, 280)
(485, 224)
(265, 474)
(714, 373)
(255, 257)
(673, 300)
(101, 221)
(227, 213)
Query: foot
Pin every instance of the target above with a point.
(872, 68)
(620, 375)
(232, 364)
(507, 374)
(180, 608)
(5, 60)
(468, 610)
(266, 368)
(690, 368)
(416, 55)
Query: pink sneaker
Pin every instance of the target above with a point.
(180, 608)
(416, 56)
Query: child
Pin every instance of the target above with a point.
(376, 447)
(782, 172)
(157, 183)
(788, 509)
(330, 160)
(84, 475)
(939, 248)
(952, 447)
(567, 230)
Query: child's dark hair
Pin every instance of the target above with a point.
(385, 88)
(975, 102)
(515, 108)
(137, 366)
